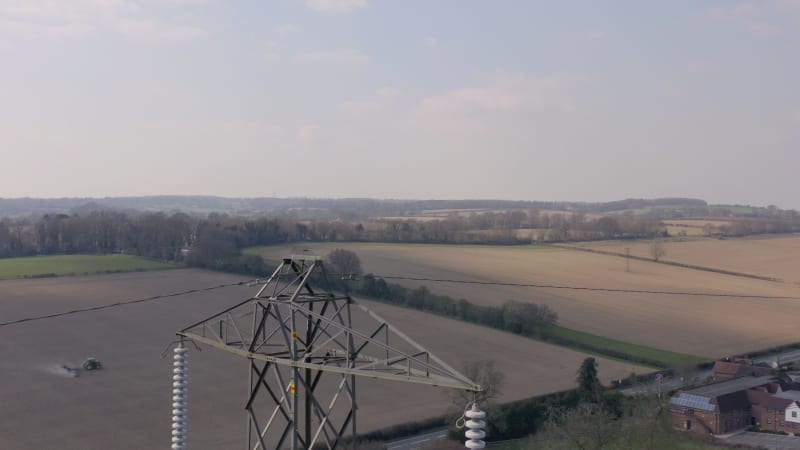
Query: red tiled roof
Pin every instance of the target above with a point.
(728, 368)
(736, 370)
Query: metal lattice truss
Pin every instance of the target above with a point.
(293, 334)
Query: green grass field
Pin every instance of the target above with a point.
(57, 265)
(665, 357)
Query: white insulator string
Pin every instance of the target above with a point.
(475, 426)
(179, 398)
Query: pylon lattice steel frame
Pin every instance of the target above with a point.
(293, 334)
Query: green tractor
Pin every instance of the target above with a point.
(91, 363)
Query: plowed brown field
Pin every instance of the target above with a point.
(127, 404)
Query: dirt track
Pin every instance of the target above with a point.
(126, 405)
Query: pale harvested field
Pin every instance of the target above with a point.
(697, 223)
(126, 405)
(691, 227)
(684, 231)
(414, 218)
(769, 256)
(705, 326)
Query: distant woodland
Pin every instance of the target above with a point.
(361, 209)
(215, 239)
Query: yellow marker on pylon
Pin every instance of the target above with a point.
(294, 335)
(292, 388)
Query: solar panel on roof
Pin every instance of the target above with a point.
(693, 401)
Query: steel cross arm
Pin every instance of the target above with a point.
(444, 368)
(219, 314)
(442, 382)
(389, 363)
(433, 357)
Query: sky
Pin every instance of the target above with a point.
(411, 99)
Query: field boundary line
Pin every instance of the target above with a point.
(671, 263)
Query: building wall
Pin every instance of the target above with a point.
(702, 422)
(774, 420)
(793, 408)
(733, 421)
(714, 423)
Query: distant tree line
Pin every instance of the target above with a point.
(517, 317)
(309, 208)
(215, 241)
(746, 227)
(201, 241)
(509, 227)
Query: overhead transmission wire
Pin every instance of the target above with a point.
(125, 302)
(350, 276)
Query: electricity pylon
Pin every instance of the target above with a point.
(299, 338)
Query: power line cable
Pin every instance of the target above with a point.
(397, 277)
(126, 302)
(581, 288)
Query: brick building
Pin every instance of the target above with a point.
(770, 402)
(716, 408)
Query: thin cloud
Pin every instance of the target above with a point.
(761, 28)
(345, 56)
(286, 28)
(501, 94)
(592, 35)
(73, 18)
(430, 42)
(336, 5)
(66, 11)
(184, 2)
(387, 92)
(307, 134)
(382, 98)
(33, 30)
(154, 31)
(470, 108)
(756, 19)
(271, 55)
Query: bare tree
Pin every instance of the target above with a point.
(657, 250)
(489, 377)
(586, 427)
(343, 262)
(642, 428)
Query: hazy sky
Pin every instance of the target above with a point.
(555, 100)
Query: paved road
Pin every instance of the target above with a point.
(416, 442)
(765, 440)
(669, 384)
